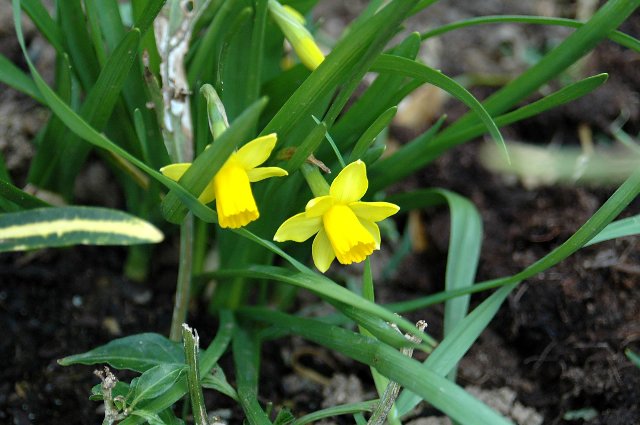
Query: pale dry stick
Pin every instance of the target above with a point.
(173, 28)
(390, 394)
(109, 381)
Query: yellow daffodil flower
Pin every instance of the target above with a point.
(346, 227)
(230, 187)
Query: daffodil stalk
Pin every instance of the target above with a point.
(345, 227)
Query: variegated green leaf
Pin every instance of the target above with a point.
(65, 226)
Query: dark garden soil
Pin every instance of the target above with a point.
(557, 344)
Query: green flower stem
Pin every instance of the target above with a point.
(183, 290)
(317, 183)
(191, 343)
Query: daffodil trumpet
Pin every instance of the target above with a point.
(345, 227)
(231, 186)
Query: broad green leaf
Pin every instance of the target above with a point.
(216, 380)
(121, 390)
(136, 352)
(626, 227)
(160, 403)
(435, 389)
(156, 381)
(66, 226)
(151, 418)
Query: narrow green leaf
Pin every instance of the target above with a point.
(324, 288)
(45, 24)
(370, 134)
(436, 390)
(404, 161)
(219, 344)
(136, 352)
(13, 76)
(418, 152)
(246, 357)
(619, 37)
(578, 44)
(19, 197)
(77, 42)
(409, 68)
(368, 37)
(343, 409)
(633, 357)
(66, 226)
(307, 147)
(454, 346)
(626, 227)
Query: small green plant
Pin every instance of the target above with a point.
(200, 102)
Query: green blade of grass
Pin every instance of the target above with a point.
(66, 226)
(452, 348)
(324, 288)
(626, 193)
(417, 153)
(19, 197)
(438, 391)
(578, 44)
(343, 409)
(626, 227)
(246, 356)
(619, 37)
(468, 330)
(13, 76)
(370, 36)
(77, 42)
(219, 344)
(402, 66)
(45, 24)
(370, 134)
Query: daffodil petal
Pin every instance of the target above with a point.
(261, 173)
(235, 203)
(351, 183)
(318, 206)
(373, 229)
(175, 171)
(298, 228)
(256, 151)
(374, 211)
(322, 251)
